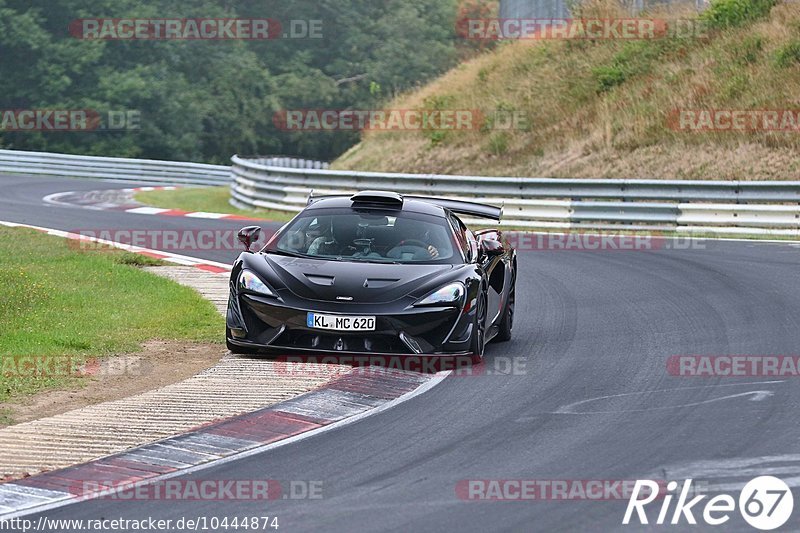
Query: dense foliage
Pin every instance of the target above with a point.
(205, 100)
(732, 13)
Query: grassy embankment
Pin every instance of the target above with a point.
(58, 301)
(602, 108)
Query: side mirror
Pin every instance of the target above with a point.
(249, 235)
(491, 247)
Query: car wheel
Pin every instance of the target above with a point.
(479, 328)
(237, 349)
(507, 321)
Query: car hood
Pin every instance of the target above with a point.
(317, 279)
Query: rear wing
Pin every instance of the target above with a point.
(391, 199)
(463, 208)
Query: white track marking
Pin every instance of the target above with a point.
(55, 199)
(201, 214)
(147, 210)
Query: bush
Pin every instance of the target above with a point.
(633, 59)
(749, 50)
(788, 55)
(498, 143)
(437, 103)
(609, 76)
(732, 13)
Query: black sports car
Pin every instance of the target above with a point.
(374, 273)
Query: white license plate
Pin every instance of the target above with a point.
(341, 323)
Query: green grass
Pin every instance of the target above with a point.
(132, 259)
(206, 199)
(58, 301)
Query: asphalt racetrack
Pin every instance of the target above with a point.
(581, 393)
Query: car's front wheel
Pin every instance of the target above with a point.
(478, 343)
(507, 321)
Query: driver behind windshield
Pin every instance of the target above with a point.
(400, 238)
(338, 240)
(418, 238)
(302, 240)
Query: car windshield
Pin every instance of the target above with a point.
(368, 236)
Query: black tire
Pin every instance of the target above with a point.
(238, 350)
(507, 321)
(478, 341)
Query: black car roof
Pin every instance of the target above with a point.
(408, 205)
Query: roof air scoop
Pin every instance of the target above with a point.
(386, 198)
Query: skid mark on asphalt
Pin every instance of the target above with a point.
(754, 395)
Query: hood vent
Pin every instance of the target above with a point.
(378, 283)
(325, 281)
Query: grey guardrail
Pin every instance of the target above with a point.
(736, 207)
(112, 168)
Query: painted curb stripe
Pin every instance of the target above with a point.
(350, 395)
(202, 214)
(148, 189)
(146, 210)
(213, 269)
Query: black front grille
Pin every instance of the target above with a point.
(364, 343)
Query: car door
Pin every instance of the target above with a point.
(494, 275)
(496, 271)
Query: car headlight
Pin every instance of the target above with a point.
(250, 282)
(449, 294)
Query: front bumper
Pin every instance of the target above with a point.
(272, 325)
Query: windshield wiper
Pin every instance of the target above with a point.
(287, 253)
(379, 262)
